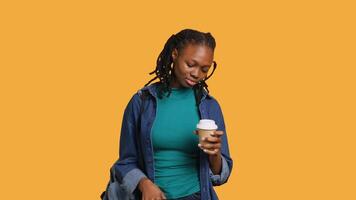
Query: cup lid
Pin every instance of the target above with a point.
(207, 124)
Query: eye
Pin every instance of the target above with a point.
(205, 70)
(190, 65)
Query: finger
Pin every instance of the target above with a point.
(210, 146)
(218, 133)
(211, 139)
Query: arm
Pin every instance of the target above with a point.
(126, 167)
(218, 166)
(215, 163)
(221, 165)
(131, 176)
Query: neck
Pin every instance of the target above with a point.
(174, 84)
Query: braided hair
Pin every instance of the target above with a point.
(163, 68)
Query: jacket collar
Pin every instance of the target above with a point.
(152, 90)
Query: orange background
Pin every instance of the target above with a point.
(285, 81)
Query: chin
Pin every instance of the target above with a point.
(187, 85)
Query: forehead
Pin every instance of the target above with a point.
(203, 54)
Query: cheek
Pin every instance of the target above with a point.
(176, 72)
(180, 72)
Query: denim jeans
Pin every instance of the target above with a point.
(195, 196)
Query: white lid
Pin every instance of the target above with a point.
(207, 124)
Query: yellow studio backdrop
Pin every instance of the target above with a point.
(285, 81)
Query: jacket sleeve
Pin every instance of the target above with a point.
(219, 179)
(227, 162)
(126, 167)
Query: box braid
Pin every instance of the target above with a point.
(163, 68)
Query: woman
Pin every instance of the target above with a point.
(160, 154)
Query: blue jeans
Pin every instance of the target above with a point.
(195, 196)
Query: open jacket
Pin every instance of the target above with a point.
(127, 167)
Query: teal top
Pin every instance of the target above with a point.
(176, 151)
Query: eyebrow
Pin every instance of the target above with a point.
(199, 64)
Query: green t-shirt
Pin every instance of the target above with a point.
(176, 151)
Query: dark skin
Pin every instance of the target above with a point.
(190, 66)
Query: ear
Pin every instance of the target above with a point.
(174, 54)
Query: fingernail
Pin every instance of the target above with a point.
(199, 145)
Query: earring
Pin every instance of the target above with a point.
(171, 68)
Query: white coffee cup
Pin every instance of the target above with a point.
(206, 128)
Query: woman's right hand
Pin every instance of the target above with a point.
(149, 190)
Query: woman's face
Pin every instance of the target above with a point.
(191, 65)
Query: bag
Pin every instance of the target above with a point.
(115, 190)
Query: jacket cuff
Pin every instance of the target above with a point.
(132, 178)
(218, 179)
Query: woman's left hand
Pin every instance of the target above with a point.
(211, 145)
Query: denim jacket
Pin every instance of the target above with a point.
(127, 168)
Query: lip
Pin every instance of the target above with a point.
(190, 82)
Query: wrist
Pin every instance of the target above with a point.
(142, 182)
(215, 163)
(215, 157)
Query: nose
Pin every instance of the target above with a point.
(194, 73)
